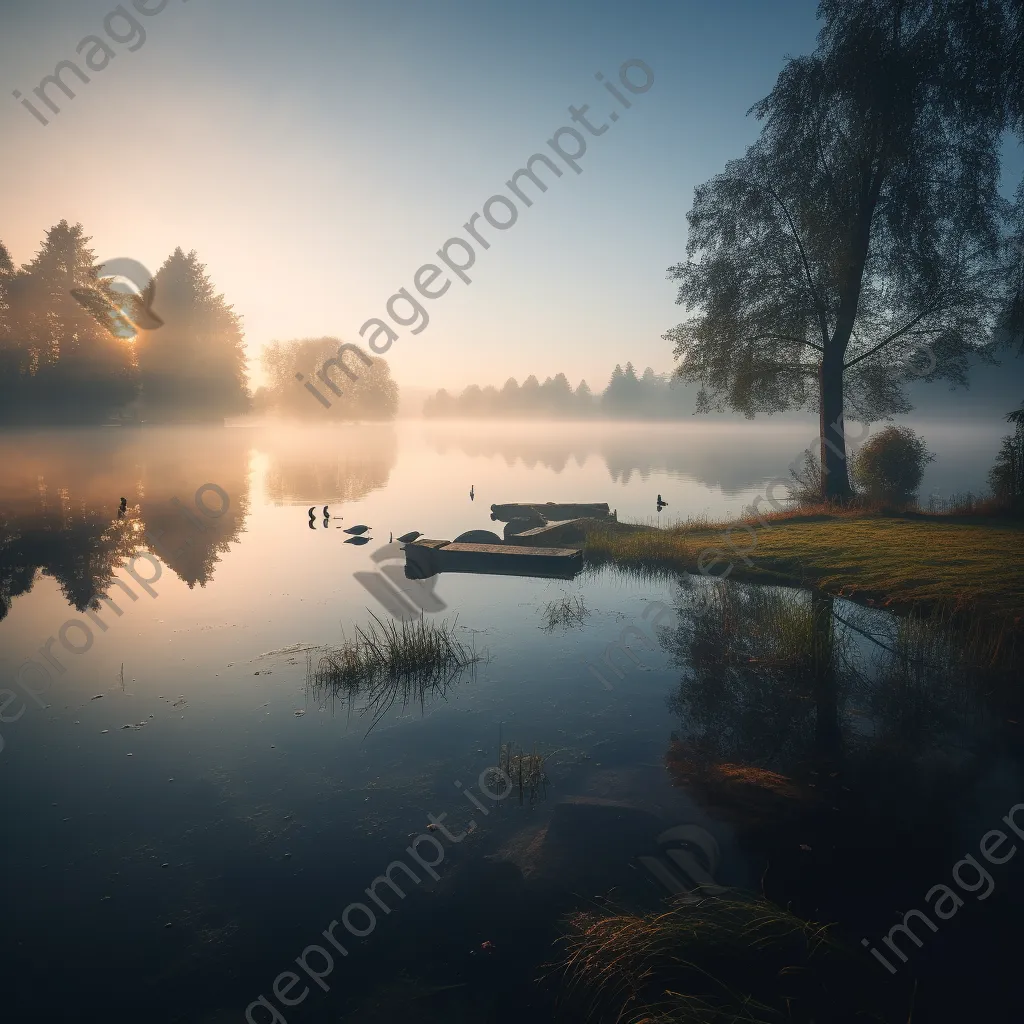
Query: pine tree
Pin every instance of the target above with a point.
(73, 365)
(193, 366)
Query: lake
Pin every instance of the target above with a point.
(187, 814)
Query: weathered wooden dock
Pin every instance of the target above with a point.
(425, 558)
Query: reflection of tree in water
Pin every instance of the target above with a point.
(764, 675)
(79, 547)
(730, 458)
(787, 675)
(59, 499)
(185, 538)
(803, 715)
(341, 464)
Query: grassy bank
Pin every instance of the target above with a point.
(909, 559)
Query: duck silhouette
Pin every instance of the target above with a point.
(408, 538)
(327, 514)
(121, 510)
(472, 492)
(661, 504)
(358, 540)
(358, 530)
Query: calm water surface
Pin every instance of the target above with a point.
(185, 816)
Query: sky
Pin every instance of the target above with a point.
(316, 154)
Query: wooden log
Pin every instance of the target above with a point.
(551, 510)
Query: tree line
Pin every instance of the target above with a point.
(75, 349)
(626, 396)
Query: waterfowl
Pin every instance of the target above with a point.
(358, 540)
(408, 538)
(311, 513)
(327, 515)
(661, 503)
(472, 493)
(358, 530)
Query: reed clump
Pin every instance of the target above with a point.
(565, 613)
(709, 960)
(388, 661)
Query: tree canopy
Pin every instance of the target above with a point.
(862, 240)
(367, 391)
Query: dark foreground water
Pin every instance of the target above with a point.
(190, 829)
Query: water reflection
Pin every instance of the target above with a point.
(719, 454)
(786, 690)
(343, 464)
(854, 752)
(61, 513)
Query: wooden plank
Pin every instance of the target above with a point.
(424, 542)
(511, 550)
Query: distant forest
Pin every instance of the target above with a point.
(651, 396)
(72, 350)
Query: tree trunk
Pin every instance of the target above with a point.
(835, 478)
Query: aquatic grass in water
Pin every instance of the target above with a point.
(519, 772)
(388, 660)
(565, 613)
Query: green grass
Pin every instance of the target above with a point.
(904, 559)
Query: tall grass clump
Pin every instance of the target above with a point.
(711, 960)
(388, 660)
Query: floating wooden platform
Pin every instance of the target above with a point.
(425, 558)
(559, 534)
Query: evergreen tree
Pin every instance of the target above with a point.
(509, 397)
(72, 364)
(193, 366)
(529, 396)
(583, 399)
